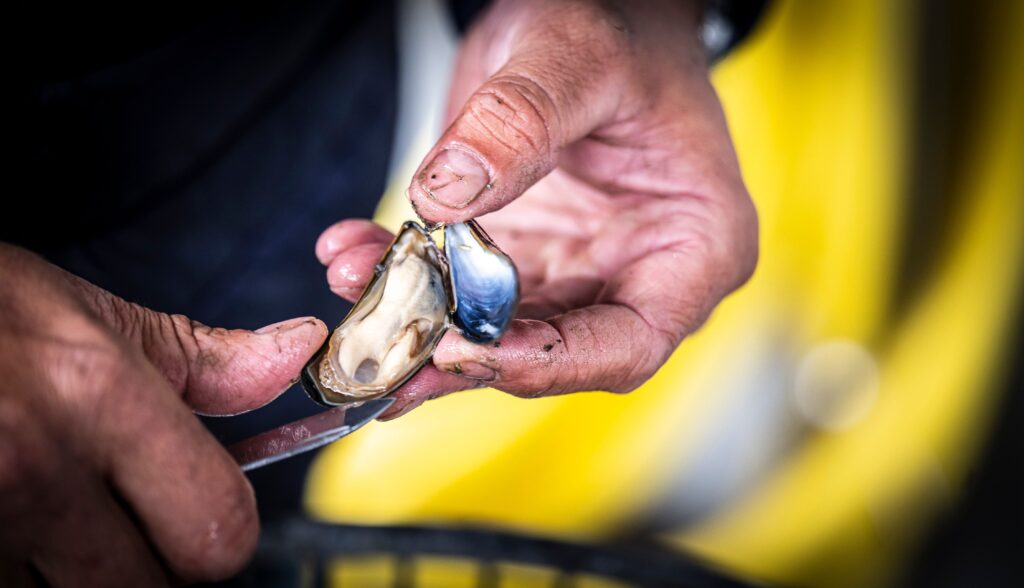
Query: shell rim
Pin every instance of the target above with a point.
(309, 377)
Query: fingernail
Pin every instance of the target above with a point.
(472, 370)
(454, 178)
(283, 326)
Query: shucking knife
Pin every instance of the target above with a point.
(305, 434)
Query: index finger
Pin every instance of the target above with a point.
(190, 496)
(640, 317)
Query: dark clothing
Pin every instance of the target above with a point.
(191, 169)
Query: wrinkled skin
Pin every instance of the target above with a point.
(107, 478)
(590, 141)
(613, 185)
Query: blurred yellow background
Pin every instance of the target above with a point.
(831, 407)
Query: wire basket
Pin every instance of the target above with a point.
(302, 553)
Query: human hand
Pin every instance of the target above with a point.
(107, 478)
(592, 140)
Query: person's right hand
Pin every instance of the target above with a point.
(107, 478)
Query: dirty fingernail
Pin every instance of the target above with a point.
(474, 371)
(454, 178)
(285, 326)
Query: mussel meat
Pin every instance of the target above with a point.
(415, 295)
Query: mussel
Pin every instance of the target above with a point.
(484, 281)
(416, 294)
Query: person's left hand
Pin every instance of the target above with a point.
(591, 142)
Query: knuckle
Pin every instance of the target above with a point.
(588, 45)
(590, 25)
(746, 241)
(515, 112)
(647, 359)
(734, 248)
(81, 362)
(746, 264)
(627, 385)
(96, 386)
(603, 31)
(113, 313)
(640, 372)
(88, 373)
(629, 378)
(181, 340)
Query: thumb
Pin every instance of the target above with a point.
(557, 86)
(220, 371)
(233, 371)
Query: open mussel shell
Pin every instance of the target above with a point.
(391, 330)
(415, 295)
(484, 282)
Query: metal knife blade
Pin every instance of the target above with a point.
(305, 434)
